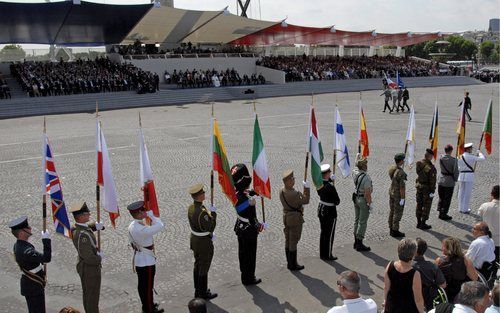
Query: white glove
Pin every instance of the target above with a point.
(431, 195)
(99, 226)
(45, 234)
(213, 208)
(252, 201)
(402, 202)
(101, 254)
(371, 207)
(306, 184)
(265, 225)
(150, 214)
(332, 177)
(213, 237)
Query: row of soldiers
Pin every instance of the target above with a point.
(202, 221)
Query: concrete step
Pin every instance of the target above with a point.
(15, 89)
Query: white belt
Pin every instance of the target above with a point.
(326, 203)
(36, 269)
(203, 234)
(245, 220)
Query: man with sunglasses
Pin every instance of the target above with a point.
(349, 286)
(31, 262)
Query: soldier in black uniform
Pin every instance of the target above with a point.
(247, 227)
(327, 213)
(468, 105)
(31, 262)
(202, 222)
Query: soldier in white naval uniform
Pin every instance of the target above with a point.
(466, 166)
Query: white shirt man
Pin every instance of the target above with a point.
(466, 165)
(348, 285)
(481, 249)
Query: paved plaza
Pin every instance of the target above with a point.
(178, 141)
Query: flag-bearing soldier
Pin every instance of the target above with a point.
(144, 262)
(30, 261)
(293, 217)
(467, 167)
(397, 194)
(202, 222)
(89, 256)
(426, 187)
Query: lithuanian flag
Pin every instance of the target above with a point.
(487, 129)
(433, 135)
(221, 165)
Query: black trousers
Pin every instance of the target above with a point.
(405, 104)
(386, 105)
(145, 285)
(445, 195)
(247, 254)
(36, 304)
(328, 221)
(497, 253)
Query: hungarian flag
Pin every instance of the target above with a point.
(261, 182)
(221, 165)
(487, 128)
(316, 151)
(341, 152)
(433, 135)
(461, 133)
(410, 139)
(146, 177)
(52, 186)
(109, 201)
(363, 134)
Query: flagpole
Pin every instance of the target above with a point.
(308, 138)
(97, 187)
(359, 121)
(334, 164)
(44, 197)
(462, 115)
(261, 197)
(212, 158)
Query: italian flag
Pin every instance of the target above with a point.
(261, 183)
(487, 128)
(221, 165)
(316, 151)
(105, 177)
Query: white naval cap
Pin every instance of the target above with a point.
(325, 168)
(468, 145)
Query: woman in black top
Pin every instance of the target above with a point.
(403, 285)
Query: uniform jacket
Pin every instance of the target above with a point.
(28, 258)
(449, 171)
(141, 236)
(328, 194)
(398, 181)
(363, 181)
(246, 211)
(426, 175)
(86, 246)
(466, 166)
(200, 221)
(293, 201)
(406, 94)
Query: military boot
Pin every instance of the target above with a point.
(206, 294)
(361, 247)
(289, 264)
(356, 242)
(196, 280)
(425, 226)
(397, 233)
(293, 258)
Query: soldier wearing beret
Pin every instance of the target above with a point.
(202, 222)
(141, 239)
(31, 262)
(89, 256)
(362, 199)
(397, 194)
(293, 217)
(247, 226)
(327, 213)
(426, 187)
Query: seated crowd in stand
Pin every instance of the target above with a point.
(211, 78)
(137, 48)
(65, 78)
(306, 68)
(4, 89)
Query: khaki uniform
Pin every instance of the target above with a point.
(293, 215)
(398, 177)
(88, 266)
(425, 185)
(202, 223)
(361, 210)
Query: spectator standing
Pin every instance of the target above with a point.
(491, 215)
(349, 286)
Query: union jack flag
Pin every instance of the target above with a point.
(54, 190)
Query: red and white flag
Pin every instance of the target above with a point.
(109, 200)
(146, 177)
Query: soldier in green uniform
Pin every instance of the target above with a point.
(397, 194)
(89, 256)
(362, 199)
(426, 186)
(293, 217)
(202, 222)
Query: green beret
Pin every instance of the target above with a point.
(399, 157)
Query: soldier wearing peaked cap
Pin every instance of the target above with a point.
(293, 217)
(466, 166)
(202, 222)
(327, 213)
(31, 262)
(89, 256)
(141, 239)
(426, 187)
(397, 194)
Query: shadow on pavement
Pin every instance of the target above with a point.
(215, 308)
(267, 302)
(462, 225)
(318, 289)
(380, 261)
(365, 281)
(439, 236)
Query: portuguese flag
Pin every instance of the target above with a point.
(221, 165)
(487, 129)
(261, 182)
(316, 151)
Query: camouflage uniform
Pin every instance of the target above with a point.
(398, 177)
(425, 185)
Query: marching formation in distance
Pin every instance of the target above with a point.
(236, 183)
